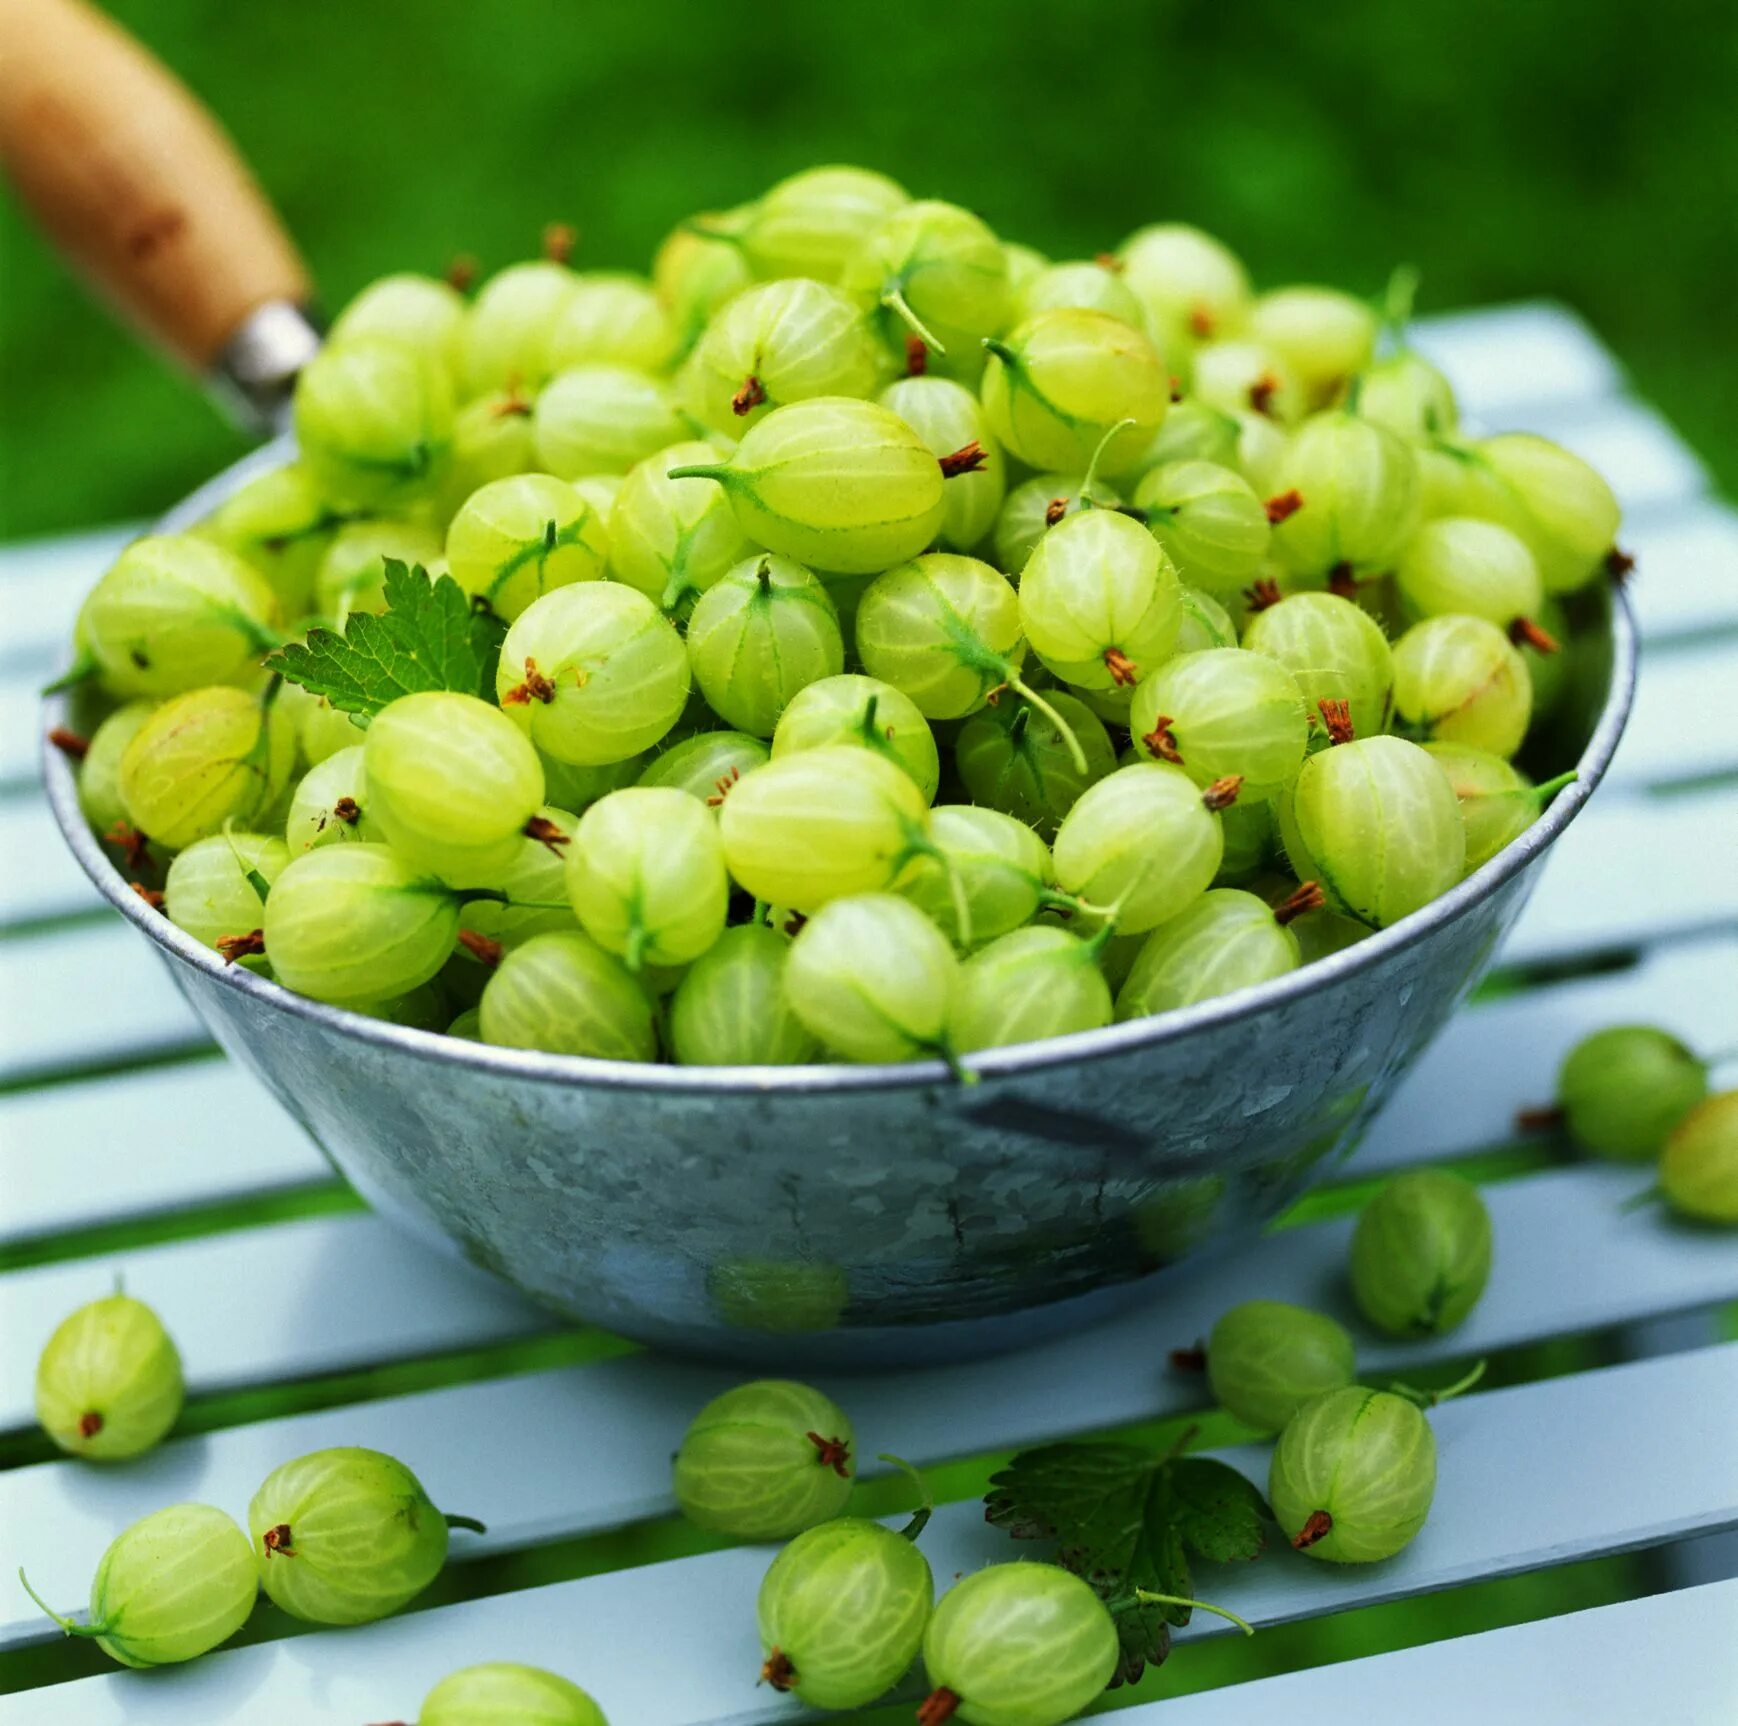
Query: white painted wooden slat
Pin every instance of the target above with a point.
(1505, 1503)
(1686, 574)
(1500, 1057)
(1670, 1658)
(1643, 459)
(20, 736)
(43, 582)
(1633, 869)
(38, 875)
(626, 1415)
(272, 1304)
(143, 1143)
(1507, 360)
(85, 996)
(1685, 720)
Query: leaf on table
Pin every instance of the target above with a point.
(1123, 1519)
(430, 636)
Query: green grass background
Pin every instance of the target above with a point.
(1584, 151)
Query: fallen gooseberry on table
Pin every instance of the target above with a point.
(1016, 1645)
(1266, 1359)
(1699, 1166)
(108, 1381)
(1421, 1253)
(1622, 1090)
(346, 1536)
(173, 1586)
(765, 1460)
(504, 1693)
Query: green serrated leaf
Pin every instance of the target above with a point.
(1220, 1515)
(429, 637)
(1124, 1519)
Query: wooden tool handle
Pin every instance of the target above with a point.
(135, 181)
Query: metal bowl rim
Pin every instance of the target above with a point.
(1005, 1063)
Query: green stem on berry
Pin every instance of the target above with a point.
(1027, 693)
(469, 1523)
(926, 1505)
(1147, 1598)
(895, 301)
(82, 670)
(1394, 303)
(718, 470)
(66, 1624)
(1544, 793)
(1091, 478)
(1430, 1398)
(1647, 1196)
(943, 1047)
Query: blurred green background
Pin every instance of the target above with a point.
(1586, 152)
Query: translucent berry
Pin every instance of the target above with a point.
(1421, 1253)
(731, 1010)
(501, 1693)
(1017, 1645)
(1624, 1089)
(173, 1586)
(842, 1611)
(868, 714)
(108, 1383)
(1266, 1359)
(517, 538)
(765, 1461)
(346, 1536)
(1353, 1475)
(1027, 985)
(1699, 1166)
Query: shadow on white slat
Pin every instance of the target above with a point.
(1611, 1664)
(1502, 1056)
(144, 1143)
(1505, 1502)
(506, 1451)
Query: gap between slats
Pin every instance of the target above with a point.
(1504, 1504)
(625, 1416)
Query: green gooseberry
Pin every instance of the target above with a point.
(867, 713)
(517, 538)
(1421, 1253)
(108, 1382)
(730, 1010)
(836, 484)
(1498, 802)
(1014, 757)
(1266, 1359)
(1699, 1166)
(765, 1460)
(346, 1536)
(1353, 1475)
(99, 769)
(934, 271)
(169, 1588)
(842, 1611)
(706, 765)
(374, 423)
(602, 419)
(811, 223)
(1624, 1089)
(949, 418)
(673, 538)
(1017, 1645)
(503, 1693)
(1066, 382)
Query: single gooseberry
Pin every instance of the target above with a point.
(169, 1588)
(1017, 1645)
(346, 1536)
(1267, 1358)
(765, 1461)
(842, 1611)
(108, 1383)
(1421, 1253)
(1353, 1475)
(1699, 1166)
(1624, 1089)
(503, 1693)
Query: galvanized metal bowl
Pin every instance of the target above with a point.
(853, 1216)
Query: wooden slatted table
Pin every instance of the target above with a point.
(128, 1147)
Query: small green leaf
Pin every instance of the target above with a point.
(429, 637)
(1124, 1519)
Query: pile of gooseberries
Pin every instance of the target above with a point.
(897, 625)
